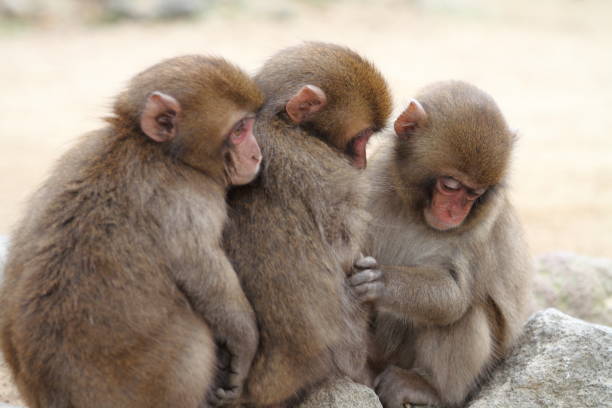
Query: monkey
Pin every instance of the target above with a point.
(294, 233)
(455, 264)
(117, 291)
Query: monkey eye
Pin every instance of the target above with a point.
(449, 184)
(237, 133)
(474, 194)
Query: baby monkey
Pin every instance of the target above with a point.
(456, 268)
(117, 290)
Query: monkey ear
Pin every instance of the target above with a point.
(307, 101)
(159, 117)
(413, 117)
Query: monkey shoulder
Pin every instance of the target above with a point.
(200, 207)
(79, 223)
(304, 175)
(509, 276)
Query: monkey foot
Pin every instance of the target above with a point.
(399, 388)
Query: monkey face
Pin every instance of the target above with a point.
(455, 148)
(356, 147)
(451, 202)
(332, 92)
(243, 158)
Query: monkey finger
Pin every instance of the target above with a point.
(362, 289)
(223, 396)
(223, 359)
(367, 275)
(369, 292)
(217, 397)
(367, 262)
(235, 380)
(232, 395)
(237, 371)
(377, 381)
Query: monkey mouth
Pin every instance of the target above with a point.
(245, 177)
(440, 223)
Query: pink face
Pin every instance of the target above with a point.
(357, 148)
(244, 152)
(451, 203)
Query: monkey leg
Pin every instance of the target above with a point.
(191, 373)
(453, 357)
(173, 368)
(275, 380)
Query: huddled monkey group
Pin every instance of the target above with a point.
(225, 241)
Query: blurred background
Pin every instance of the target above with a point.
(547, 63)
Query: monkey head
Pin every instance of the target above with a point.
(331, 91)
(455, 147)
(201, 110)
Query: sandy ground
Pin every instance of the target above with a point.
(548, 64)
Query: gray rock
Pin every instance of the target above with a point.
(179, 8)
(3, 405)
(157, 9)
(342, 394)
(578, 285)
(45, 10)
(18, 8)
(559, 362)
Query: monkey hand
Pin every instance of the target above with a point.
(367, 280)
(234, 357)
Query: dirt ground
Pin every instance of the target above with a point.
(547, 63)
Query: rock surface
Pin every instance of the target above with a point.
(560, 362)
(155, 9)
(578, 285)
(342, 394)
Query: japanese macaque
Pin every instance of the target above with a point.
(295, 233)
(456, 268)
(117, 290)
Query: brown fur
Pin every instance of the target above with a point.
(295, 233)
(355, 90)
(116, 285)
(455, 300)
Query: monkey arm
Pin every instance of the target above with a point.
(425, 294)
(214, 292)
